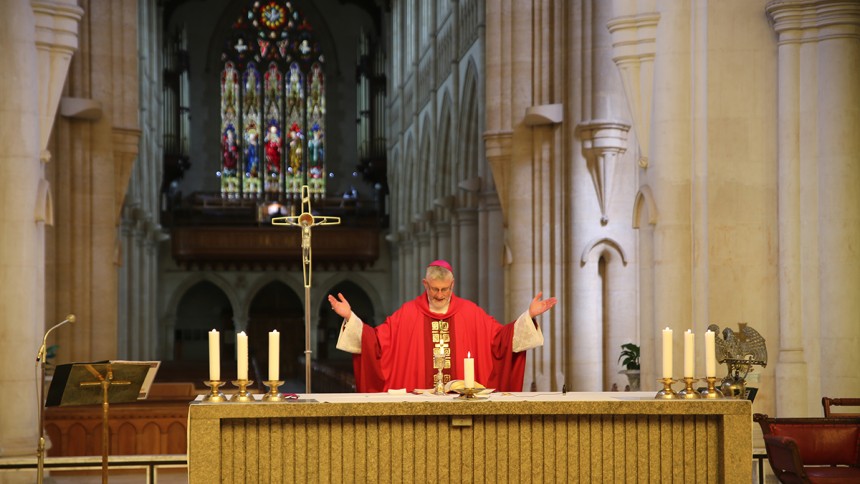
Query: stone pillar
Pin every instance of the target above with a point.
(39, 39)
(126, 292)
(493, 301)
(466, 272)
(585, 346)
(442, 235)
(819, 215)
(411, 275)
(669, 174)
(839, 187)
(21, 246)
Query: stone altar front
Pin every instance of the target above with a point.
(509, 437)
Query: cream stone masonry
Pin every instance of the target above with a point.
(819, 217)
(48, 33)
(94, 163)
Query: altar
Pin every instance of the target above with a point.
(508, 437)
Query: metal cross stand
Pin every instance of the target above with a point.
(306, 220)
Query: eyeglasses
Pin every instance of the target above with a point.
(439, 290)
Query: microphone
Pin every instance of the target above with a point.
(70, 318)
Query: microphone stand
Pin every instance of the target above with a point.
(40, 365)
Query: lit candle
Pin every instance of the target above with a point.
(242, 356)
(214, 355)
(469, 371)
(710, 358)
(667, 353)
(689, 350)
(274, 354)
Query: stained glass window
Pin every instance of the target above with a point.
(272, 104)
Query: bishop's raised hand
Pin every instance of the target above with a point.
(539, 306)
(340, 305)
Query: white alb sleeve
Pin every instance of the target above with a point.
(527, 334)
(349, 339)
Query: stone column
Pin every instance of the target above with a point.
(669, 173)
(21, 246)
(493, 249)
(39, 39)
(839, 187)
(466, 272)
(819, 215)
(126, 293)
(585, 346)
(442, 233)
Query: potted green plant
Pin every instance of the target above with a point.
(629, 359)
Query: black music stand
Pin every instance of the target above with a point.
(103, 382)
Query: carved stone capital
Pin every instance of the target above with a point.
(603, 141)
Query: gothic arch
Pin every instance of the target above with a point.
(600, 246)
(644, 201)
(445, 149)
(294, 283)
(277, 306)
(307, 8)
(407, 185)
(354, 277)
(192, 280)
(201, 303)
(468, 173)
(427, 176)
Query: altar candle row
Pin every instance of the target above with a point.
(242, 355)
(689, 354)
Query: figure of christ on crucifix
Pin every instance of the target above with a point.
(306, 220)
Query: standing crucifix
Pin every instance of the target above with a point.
(306, 220)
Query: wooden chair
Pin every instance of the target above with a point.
(827, 402)
(812, 450)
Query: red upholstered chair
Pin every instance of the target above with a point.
(828, 402)
(784, 458)
(816, 450)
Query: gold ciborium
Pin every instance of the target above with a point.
(439, 379)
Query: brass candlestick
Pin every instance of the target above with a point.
(273, 395)
(688, 392)
(215, 395)
(666, 393)
(469, 394)
(712, 392)
(242, 395)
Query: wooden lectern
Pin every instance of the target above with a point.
(119, 382)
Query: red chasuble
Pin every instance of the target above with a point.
(399, 352)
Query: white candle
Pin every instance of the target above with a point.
(469, 371)
(667, 353)
(710, 358)
(214, 355)
(274, 354)
(242, 356)
(689, 351)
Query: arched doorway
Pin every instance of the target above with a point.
(202, 308)
(330, 322)
(277, 307)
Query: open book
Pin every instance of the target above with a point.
(72, 383)
(455, 385)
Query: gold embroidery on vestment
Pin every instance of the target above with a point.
(441, 347)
